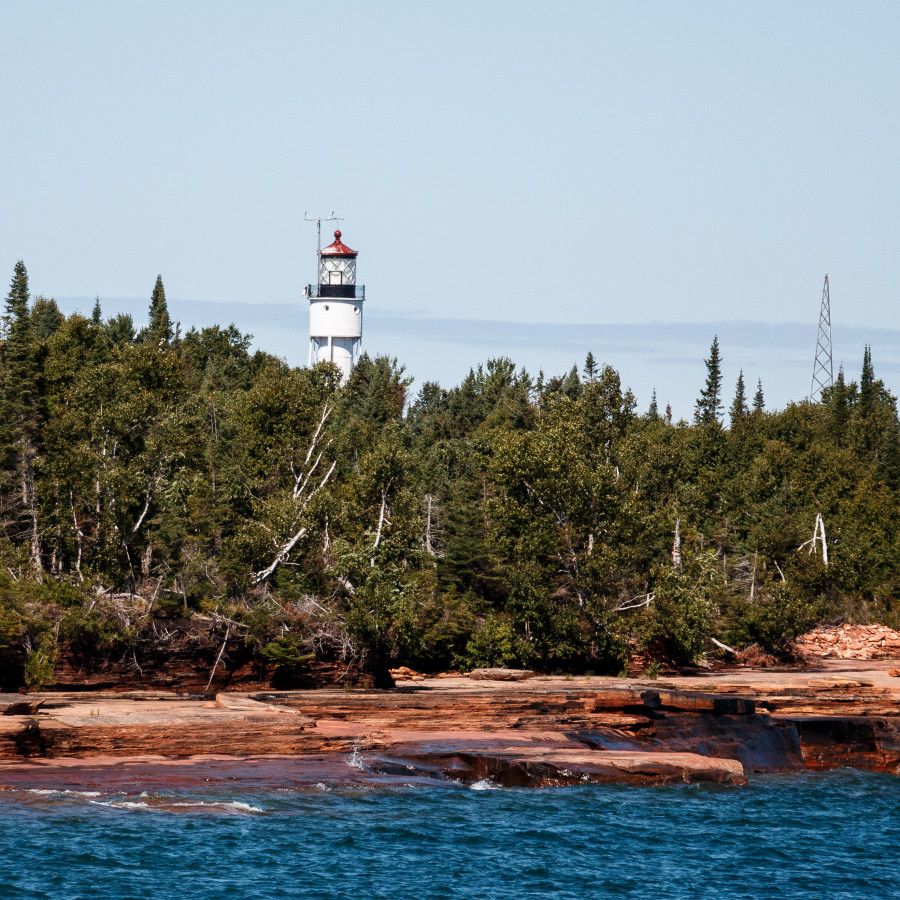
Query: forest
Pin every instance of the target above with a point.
(150, 479)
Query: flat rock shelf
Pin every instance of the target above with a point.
(537, 732)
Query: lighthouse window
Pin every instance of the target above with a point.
(356, 310)
(326, 307)
(334, 277)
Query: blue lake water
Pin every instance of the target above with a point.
(832, 835)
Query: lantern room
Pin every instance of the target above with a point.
(337, 269)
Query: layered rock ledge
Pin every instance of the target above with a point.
(535, 732)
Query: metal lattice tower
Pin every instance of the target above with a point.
(823, 367)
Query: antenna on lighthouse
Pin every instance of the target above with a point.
(331, 217)
(823, 367)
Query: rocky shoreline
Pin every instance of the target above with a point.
(538, 732)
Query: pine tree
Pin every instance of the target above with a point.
(590, 367)
(709, 404)
(653, 411)
(96, 314)
(759, 402)
(739, 409)
(160, 328)
(19, 412)
(867, 381)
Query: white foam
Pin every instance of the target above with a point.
(47, 792)
(236, 805)
(483, 785)
(120, 804)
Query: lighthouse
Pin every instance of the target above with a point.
(335, 309)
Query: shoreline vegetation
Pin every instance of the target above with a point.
(178, 512)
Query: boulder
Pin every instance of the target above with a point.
(19, 705)
(501, 674)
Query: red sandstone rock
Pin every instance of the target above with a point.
(19, 705)
(501, 674)
(851, 642)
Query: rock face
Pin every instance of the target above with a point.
(542, 732)
(851, 642)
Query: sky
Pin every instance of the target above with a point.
(520, 178)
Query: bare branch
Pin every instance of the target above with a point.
(219, 657)
(724, 647)
(381, 519)
(635, 602)
(302, 495)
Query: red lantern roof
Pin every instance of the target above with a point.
(337, 248)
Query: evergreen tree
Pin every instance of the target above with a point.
(739, 409)
(17, 299)
(759, 402)
(590, 367)
(160, 328)
(121, 329)
(46, 318)
(20, 408)
(653, 411)
(96, 315)
(867, 381)
(709, 404)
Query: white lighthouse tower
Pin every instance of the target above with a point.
(336, 309)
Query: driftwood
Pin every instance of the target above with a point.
(724, 647)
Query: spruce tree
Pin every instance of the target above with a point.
(739, 409)
(160, 328)
(653, 411)
(46, 318)
(590, 367)
(867, 381)
(96, 314)
(17, 299)
(20, 412)
(759, 402)
(571, 384)
(709, 404)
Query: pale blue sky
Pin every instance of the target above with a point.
(575, 163)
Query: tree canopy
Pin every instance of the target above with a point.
(503, 521)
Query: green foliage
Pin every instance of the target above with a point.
(709, 404)
(503, 521)
(682, 617)
(40, 662)
(496, 645)
(287, 655)
(773, 620)
(160, 327)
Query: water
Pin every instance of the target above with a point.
(833, 835)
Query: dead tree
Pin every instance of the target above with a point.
(818, 536)
(676, 545)
(307, 484)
